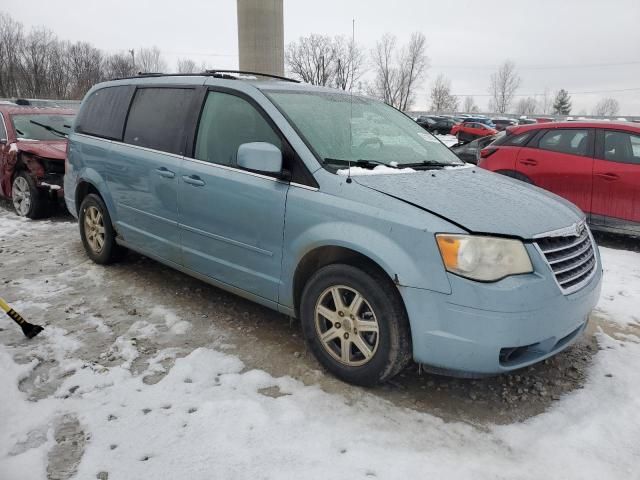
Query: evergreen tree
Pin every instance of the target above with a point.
(562, 103)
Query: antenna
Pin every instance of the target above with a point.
(350, 68)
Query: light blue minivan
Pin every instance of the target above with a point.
(338, 210)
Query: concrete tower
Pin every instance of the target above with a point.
(261, 36)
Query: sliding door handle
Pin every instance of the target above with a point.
(164, 172)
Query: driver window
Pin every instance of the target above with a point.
(228, 121)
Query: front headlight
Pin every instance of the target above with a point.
(486, 259)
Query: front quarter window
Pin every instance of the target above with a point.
(341, 128)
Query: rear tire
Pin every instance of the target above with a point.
(365, 340)
(97, 232)
(29, 200)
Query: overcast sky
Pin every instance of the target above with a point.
(582, 46)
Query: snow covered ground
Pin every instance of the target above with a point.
(76, 408)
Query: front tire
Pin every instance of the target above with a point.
(354, 322)
(97, 232)
(29, 200)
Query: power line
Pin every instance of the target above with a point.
(540, 67)
(543, 93)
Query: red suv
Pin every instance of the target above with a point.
(33, 147)
(595, 165)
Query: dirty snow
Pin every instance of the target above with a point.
(211, 417)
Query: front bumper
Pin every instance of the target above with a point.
(490, 328)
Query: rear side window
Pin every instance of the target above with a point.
(158, 119)
(622, 147)
(227, 122)
(572, 141)
(103, 114)
(517, 140)
(3, 130)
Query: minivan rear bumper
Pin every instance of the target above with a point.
(458, 335)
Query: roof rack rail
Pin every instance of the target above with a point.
(246, 72)
(210, 73)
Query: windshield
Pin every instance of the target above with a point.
(341, 129)
(34, 127)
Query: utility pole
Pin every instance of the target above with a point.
(133, 59)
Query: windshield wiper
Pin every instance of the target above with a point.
(50, 128)
(358, 163)
(429, 164)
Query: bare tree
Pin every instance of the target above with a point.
(312, 59)
(59, 77)
(35, 55)
(413, 64)
(118, 65)
(85, 65)
(385, 83)
(469, 105)
(150, 60)
(397, 72)
(607, 107)
(503, 86)
(441, 99)
(186, 65)
(526, 106)
(11, 42)
(350, 63)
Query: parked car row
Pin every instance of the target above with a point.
(436, 124)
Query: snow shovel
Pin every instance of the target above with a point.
(28, 329)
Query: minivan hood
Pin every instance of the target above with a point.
(53, 149)
(479, 201)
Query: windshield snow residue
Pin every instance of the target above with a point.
(378, 170)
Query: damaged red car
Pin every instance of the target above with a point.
(33, 144)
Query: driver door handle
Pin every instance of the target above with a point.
(608, 176)
(529, 161)
(194, 180)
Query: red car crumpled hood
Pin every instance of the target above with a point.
(53, 149)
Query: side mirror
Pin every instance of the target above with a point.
(260, 157)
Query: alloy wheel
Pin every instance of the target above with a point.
(21, 196)
(347, 325)
(94, 229)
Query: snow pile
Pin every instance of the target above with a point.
(620, 298)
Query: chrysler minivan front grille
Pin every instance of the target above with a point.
(572, 258)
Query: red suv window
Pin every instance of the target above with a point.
(571, 141)
(622, 147)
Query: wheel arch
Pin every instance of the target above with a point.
(83, 189)
(90, 181)
(325, 255)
